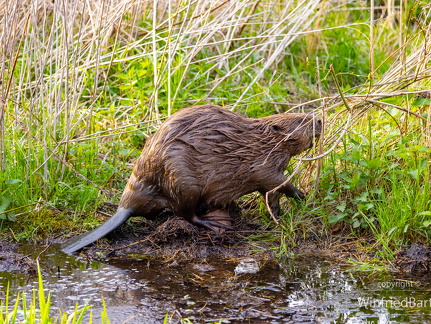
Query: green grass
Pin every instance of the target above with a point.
(378, 183)
(82, 89)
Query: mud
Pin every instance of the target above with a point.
(415, 258)
(174, 238)
(10, 261)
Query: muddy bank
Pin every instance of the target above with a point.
(175, 240)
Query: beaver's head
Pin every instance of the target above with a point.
(296, 131)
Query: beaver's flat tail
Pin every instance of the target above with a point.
(80, 241)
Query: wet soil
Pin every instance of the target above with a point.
(176, 239)
(415, 258)
(12, 261)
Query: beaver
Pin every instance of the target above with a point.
(204, 158)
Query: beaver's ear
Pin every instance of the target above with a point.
(275, 129)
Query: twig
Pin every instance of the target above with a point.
(43, 251)
(346, 127)
(398, 107)
(346, 104)
(104, 214)
(20, 207)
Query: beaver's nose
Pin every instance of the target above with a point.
(318, 126)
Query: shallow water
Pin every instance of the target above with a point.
(301, 290)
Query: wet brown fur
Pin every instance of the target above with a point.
(204, 158)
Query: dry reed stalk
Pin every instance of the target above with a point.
(65, 39)
(409, 75)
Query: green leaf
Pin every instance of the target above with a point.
(394, 100)
(126, 86)
(12, 181)
(377, 191)
(392, 230)
(141, 73)
(363, 197)
(336, 218)
(11, 216)
(123, 76)
(374, 164)
(4, 203)
(366, 206)
(420, 101)
(424, 149)
(341, 207)
(414, 173)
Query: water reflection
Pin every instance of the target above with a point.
(307, 290)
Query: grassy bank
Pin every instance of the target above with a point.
(84, 83)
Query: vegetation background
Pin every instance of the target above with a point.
(83, 83)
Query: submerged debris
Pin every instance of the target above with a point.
(247, 266)
(11, 261)
(414, 258)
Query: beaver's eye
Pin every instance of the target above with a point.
(275, 129)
